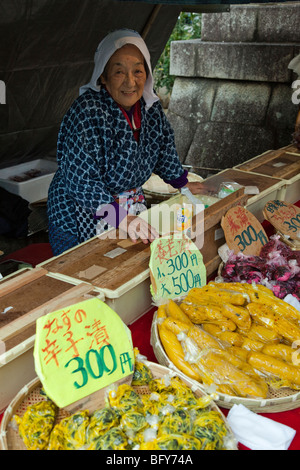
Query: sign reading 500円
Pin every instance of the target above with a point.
(176, 266)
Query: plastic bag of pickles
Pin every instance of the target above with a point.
(169, 417)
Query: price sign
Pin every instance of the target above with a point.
(80, 350)
(243, 232)
(176, 266)
(284, 217)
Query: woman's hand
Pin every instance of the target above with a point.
(197, 187)
(136, 227)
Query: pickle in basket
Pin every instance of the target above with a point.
(101, 421)
(113, 439)
(210, 429)
(166, 416)
(133, 422)
(124, 399)
(173, 442)
(70, 432)
(142, 375)
(36, 424)
(178, 422)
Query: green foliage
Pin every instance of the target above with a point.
(187, 27)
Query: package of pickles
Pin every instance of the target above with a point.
(159, 410)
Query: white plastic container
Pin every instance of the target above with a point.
(269, 188)
(292, 190)
(132, 300)
(103, 263)
(283, 164)
(256, 204)
(36, 175)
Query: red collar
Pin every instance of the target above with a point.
(134, 118)
(135, 113)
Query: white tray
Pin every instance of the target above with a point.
(33, 189)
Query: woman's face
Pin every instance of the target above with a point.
(125, 76)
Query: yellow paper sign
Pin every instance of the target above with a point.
(176, 266)
(80, 350)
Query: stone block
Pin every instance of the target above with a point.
(232, 61)
(192, 98)
(283, 137)
(254, 23)
(232, 98)
(278, 23)
(183, 55)
(184, 130)
(282, 112)
(238, 25)
(241, 102)
(225, 145)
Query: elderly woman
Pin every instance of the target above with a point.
(114, 136)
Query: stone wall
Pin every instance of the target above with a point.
(232, 97)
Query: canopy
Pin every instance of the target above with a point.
(46, 54)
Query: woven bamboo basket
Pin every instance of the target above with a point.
(277, 400)
(30, 394)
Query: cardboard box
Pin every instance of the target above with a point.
(25, 297)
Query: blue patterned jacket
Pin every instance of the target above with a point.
(98, 156)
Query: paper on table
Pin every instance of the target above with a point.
(7, 309)
(257, 432)
(291, 300)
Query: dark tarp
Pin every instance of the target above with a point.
(46, 54)
(14, 212)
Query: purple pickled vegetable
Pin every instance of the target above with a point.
(277, 267)
(254, 276)
(282, 273)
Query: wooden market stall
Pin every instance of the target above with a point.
(111, 268)
(104, 268)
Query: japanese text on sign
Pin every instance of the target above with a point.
(284, 216)
(80, 348)
(96, 332)
(177, 266)
(243, 232)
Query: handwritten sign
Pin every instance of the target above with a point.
(176, 266)
(284, 217)
(243, 232)
(80, 350)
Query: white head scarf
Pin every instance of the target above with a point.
(110, 44)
